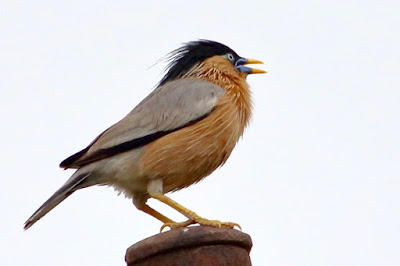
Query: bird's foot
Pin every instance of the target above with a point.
(175, 225)
(201, 221)
(192, 216)
(216, 223)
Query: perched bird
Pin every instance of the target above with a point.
(179, 134)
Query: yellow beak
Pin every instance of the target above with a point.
(255, 70)
(244, 61)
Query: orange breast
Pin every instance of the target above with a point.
(188, 155)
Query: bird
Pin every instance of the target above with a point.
(179, 134)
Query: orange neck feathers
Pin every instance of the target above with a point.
(220, 71)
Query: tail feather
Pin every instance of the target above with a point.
(61, 194)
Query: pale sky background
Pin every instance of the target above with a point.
(314, 181)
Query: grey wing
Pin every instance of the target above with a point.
(168, 108)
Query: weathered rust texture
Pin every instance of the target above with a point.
(198, 245)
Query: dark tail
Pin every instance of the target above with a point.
(64, 192)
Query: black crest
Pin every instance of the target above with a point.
(185, 57)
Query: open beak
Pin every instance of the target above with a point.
(244, 61)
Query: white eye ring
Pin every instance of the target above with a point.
(230, 57)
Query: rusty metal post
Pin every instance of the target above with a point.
(197, 245)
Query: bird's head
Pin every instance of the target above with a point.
(184, 59)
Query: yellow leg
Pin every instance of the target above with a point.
(193, 217)
(147, 209)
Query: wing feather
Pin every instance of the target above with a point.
(168, 108)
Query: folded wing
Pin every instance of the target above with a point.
(168, 108)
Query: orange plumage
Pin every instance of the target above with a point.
(196, 151)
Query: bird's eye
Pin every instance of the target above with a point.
(230, 57)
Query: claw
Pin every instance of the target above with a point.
(200, 221)
(216, 223)
(177, 225)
